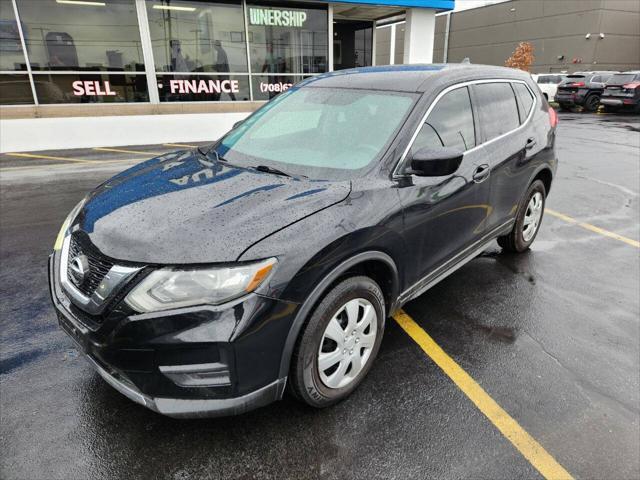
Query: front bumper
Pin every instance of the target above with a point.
(205, 361)
(181, 408)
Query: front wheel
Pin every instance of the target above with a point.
(339, 343)
(528, 220)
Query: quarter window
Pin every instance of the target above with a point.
(498, 109)
(525, 100)
(450, 124)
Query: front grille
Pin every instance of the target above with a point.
(99, 266)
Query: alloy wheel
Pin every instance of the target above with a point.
(532, 217)
(347, 343)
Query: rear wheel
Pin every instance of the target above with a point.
(592, 102)
(528, 220)
(339, 343)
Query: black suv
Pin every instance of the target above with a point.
(622, 92)
(582, 89)
(203, 281)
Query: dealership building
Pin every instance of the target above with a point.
(567, 35)
(83, 73)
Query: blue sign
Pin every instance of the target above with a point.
(435, 4)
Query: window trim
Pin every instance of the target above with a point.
(399, 165)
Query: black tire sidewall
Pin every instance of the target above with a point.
(588, 100)
(310, 386)
(520, 244)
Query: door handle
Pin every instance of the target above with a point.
(531, 142)
(481, 173)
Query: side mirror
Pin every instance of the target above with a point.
(435, 162)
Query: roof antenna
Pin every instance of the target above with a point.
(466, 60)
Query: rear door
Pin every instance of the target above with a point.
(509, 143)
(444, 214)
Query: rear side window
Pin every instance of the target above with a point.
(450, 124)
(498, 109)
(525, 100)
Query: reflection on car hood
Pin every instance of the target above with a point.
(185, 208)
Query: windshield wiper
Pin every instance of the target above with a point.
(275, 171)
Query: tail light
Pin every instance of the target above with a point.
(553, 117)
(632, 85)
(576, 84)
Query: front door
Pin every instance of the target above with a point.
(352, 44)
(444, 215)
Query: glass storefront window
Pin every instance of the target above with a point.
(86, 35)
(287, 38)
(11, 54)
(15, 90)
(90, 88)
(203, 88)
(190, 36)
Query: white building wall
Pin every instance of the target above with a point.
(34, 134)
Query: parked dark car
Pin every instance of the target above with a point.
(203, 281)
(622, 92)
(582, 89)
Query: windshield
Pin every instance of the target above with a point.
(328, 133)
(622, 78)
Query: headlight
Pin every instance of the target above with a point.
(65, 225)
(169, 288)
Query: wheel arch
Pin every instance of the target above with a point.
(374, 263)
(546, 176)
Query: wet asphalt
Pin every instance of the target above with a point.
(552, 335)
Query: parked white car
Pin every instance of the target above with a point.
(548, 83)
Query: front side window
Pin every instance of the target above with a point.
(498, 109)
(450, 124)
(319, 132)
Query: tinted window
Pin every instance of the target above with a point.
(573, 78)
(525, 100)
(450, 124)
(498, 109)
(622, 78)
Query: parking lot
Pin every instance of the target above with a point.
(551, 338)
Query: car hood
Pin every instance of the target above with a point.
(184, 208)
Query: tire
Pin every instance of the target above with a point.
(519, 239)
(325, 388)
(591, 103)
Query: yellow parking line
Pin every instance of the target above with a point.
(119, 150)
(179, 145)
(59, 165)
(46, 157)
(593, 228)
(521, 440)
